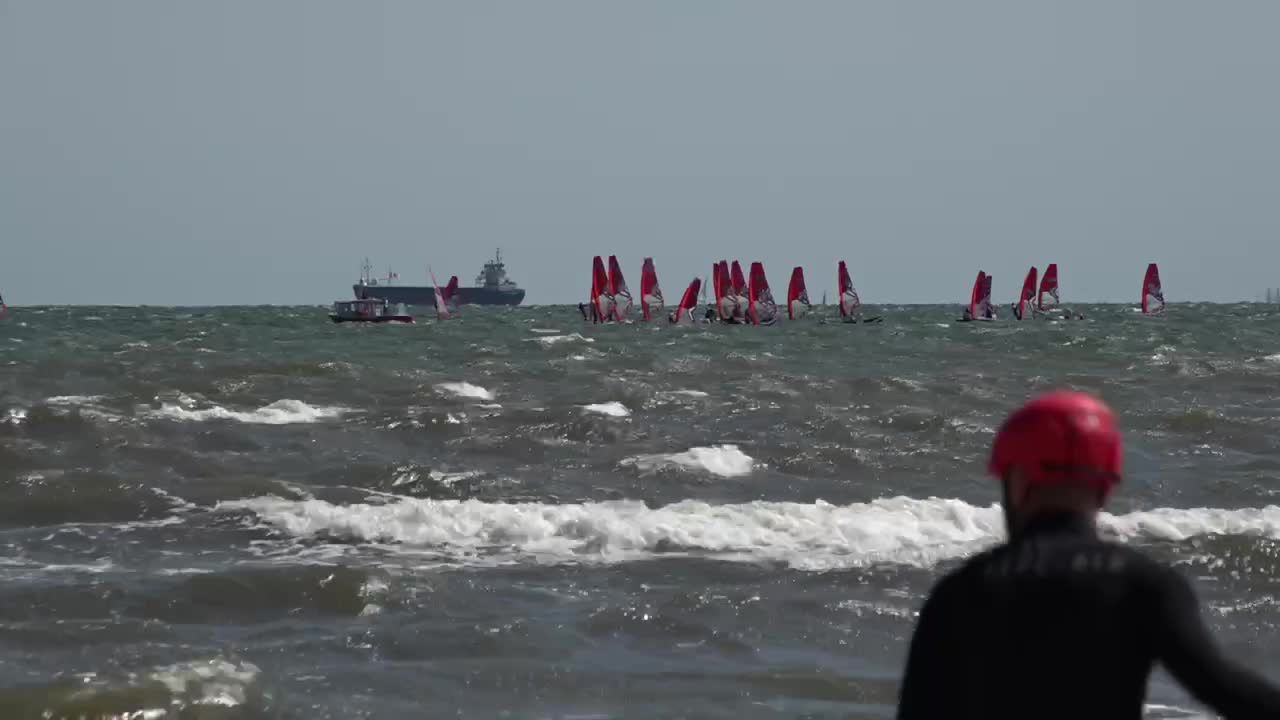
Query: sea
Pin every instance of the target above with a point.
(251, 512)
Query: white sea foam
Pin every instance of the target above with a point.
(449, 479)
(969, 427)
(212, 682)
(817, 536)
(1154, 710)
(1175, 524)
(722, 460)
(73, 399)
(280, 412)
(549, 340)
(465, 390)
(612, 409)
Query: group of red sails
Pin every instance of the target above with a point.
(737, 299)
(1042, 300)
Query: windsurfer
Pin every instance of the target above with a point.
(1058, 622)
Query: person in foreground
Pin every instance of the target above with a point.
(1058, 623)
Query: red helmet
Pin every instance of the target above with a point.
(1061, 437)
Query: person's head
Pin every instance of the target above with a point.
(1061, 452)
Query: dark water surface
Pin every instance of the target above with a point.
(251, 512)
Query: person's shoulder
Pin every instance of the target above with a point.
(1146, 571)
(969, 571)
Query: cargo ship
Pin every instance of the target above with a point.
(492, 287)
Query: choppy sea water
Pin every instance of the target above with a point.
(251, 512)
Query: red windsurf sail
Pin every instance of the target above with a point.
(739, 280)
(797, 295)
(762, 308)
(726, 303)
(651, 301)
(451, 295)
(1025, 298)
(1152, 292)
(988, 310)
(740, 291)
(975, 298)
(849, 300)
(688, 302)
(601, 297)
(618, 288)
(1048, 296)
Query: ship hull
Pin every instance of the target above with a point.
(426, 296)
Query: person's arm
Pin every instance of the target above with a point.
(924, 693)
(1193, 658)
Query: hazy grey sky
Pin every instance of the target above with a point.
(250, 151)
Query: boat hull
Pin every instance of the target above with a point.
(426, 296)
(382, 319)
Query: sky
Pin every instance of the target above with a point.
(245, 152)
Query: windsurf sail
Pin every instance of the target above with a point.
(975, 298)
(988, 309)
(726, 303)
(1048, 297)
(451, 295)
(618, 288)
(601, 297)
(442, 303)
(651, 301)
(797, 295)
(688, 302)
(849, 300)
(1024, 305)
(4, 309)
(741, 296)
(1152, 292)
(763, 309)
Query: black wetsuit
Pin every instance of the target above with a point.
(1059, 624)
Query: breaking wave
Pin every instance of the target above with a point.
(549, 340)
(817, 536)
(465, 390)
(612, 409)
(220, 688)
(721, 460)
(280, 412)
